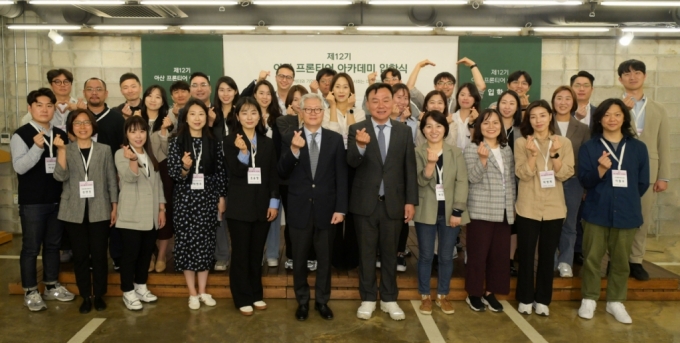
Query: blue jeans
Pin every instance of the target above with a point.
(573, 192)
(447, 242)
(40, 227)
(274, 236)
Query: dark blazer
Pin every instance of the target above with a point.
(592, 114)
(399, 170)
(287, 124)
(327, 192)
(250, 202)
(578, 134)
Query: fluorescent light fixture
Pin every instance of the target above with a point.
(393, 28)
(57, 38)
(306, 28)
(6, 2)
(417, 2)
(533, 2)
(642, 3)
(570, 29)
(189, 2)
(76, 2)
(129, 27)
(216, 28)
(652, 29)
(302, 2)
(483, 29)
(43, 27)
(626, 39)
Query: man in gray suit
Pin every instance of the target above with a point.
(384, 195)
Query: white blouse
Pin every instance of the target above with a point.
(341, 126)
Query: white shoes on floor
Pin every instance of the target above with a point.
(619, 312)
(565, 270)
(393, 309)
(366, 310)
(587, 309)
(524, 308)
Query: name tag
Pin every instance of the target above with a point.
(619, 178)
(50, 163)
(94, 138)
(547, 179)
(439, 189)
(254, 176)
(87, 189)
(197, 181)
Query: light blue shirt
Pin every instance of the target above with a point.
(308, 134)
(245, 159)
(639, 115)
(386, 131)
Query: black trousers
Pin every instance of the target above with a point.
(283, 190)
(345, 244)
(304, 239)
(378, 231)
(89, 242)
(403, 237)
(245, 274)
(137, 249)
(547, 234)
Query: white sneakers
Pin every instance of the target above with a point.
(272, 262)
(144, 294)
(194, 303)
(393, 309)
(131, 301)
(619, 312)
(587, 309)
(524, 308)
(366, 310)
(565, 270)
(541, 309)
(196, 300)
(59, 293)
(260, 305)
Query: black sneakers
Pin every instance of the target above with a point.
(401, 263)
(494, 305)
(475, 303)
(638, 272)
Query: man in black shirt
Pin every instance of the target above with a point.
(131, 89)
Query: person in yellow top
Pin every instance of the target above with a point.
(543, 161)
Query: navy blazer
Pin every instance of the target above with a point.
(323, 195)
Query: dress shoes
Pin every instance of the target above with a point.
(86, 306)
(324, 311)
(302, 312)
(99, 304)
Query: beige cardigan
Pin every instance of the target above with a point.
(140, 196)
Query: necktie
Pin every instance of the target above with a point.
(313, 153)
(383, 153)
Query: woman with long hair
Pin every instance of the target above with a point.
(468, 101)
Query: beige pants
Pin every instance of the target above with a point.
(648, 201)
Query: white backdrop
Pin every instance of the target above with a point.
(246, 55)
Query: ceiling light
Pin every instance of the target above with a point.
(642, 3)
(306, 28)
(626, 39)
(216, 28)
(76, 2)
(43, 27)
(393, 28)
(57, 38)
(570, 29)
(130, 27)
(417, 2)
(301, 2)
(533, 2)
(652, 29)
(189, 2)
(6, 2)
(482, 29)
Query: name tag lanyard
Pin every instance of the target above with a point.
(253, 152)
(49, 145)
(198, 158)
(623, 150)
(145, 165)
(89, 159)
(545, 158)
(638, 116)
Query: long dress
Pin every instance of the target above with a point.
(195, 211)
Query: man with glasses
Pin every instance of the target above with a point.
(320, 200)
(323, 84)
(199, 84)
(583, 83)
(61, 81)
(110, 132)
(285, 76)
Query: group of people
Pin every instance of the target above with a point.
(517, 178)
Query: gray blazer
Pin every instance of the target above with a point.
(140, 196)
(578, 133)
(488, 199)
(101, 171)
(455, 186)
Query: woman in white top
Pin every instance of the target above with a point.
(467, 106)
(436, 101)
(341, 112)
(401, 111)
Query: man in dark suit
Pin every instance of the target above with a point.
(384, 195)
(317, 172)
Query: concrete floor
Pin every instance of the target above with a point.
(170, 320)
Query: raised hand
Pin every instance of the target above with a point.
(371, 77)
(186, 160)
(137, 113)
(290, 111)
(581, 112)
(362, 138)
(406, 114)
(524, 100)
(473, 115)
(241, 144)
(166, 123)
(557, 144)
(531, 146)
(468, 62)
(81, 104)
(395, 110)
(39, 140)
(314, 86)
(129, 154)
(432, 156)
(58, 142)
(483, 152)
(175, 109)
(330, 98)
(263, 75)
(604, 161)
(629, 101)
(425, 63)
(351, 100)
(71, 106)
(127, 111)
(297, 142)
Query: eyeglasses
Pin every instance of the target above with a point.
(390, 79)
(284, 77)
(582, 85)
(202, 85)
(82, 123)
(517, 83)
(445, 83)
(60, 82)
(96, 90)
(315, 110)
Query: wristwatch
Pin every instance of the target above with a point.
(556, 155)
